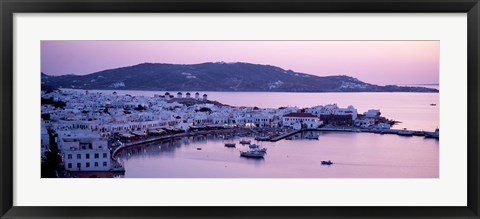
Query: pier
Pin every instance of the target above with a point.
(401, 132)
(280, 137)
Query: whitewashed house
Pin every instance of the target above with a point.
(306, 120)
(84, 152)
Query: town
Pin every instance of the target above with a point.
(84, 130)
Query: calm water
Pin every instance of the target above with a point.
(356, 155)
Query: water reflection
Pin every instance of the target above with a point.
(355, 155)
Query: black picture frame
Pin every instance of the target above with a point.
(9, 7)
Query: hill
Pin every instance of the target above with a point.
(218, 76)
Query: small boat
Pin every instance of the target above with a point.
(312, 136)
(230, 145)
(433, 104)
(327, 162)
(264, 150)
(254, 146)
(405, 132)
(245, 142)
(252, 154)
(198, 149)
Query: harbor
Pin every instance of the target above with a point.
(95, 129)
(280, 135)
(384, 156)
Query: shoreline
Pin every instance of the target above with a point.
(173, 136)
(163, 91)
(126, 145)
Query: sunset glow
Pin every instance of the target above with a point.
(377, 62)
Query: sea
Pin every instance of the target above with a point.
(355, 155)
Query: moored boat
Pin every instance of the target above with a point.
(230, 145)
(254, 146)
(253, 153)
(327, 162)
(245, 142)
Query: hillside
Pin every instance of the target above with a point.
(218, 76)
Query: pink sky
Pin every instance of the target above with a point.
(377, 62)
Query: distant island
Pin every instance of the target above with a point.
(216, 76)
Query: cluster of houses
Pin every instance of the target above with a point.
(88, 119)
(168, 96)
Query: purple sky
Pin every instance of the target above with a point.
(378, 62)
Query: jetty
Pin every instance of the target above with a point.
(401, 132)
(282, 136)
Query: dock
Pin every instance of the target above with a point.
(282, 136)
(348, 129)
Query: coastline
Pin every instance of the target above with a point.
(273, 139)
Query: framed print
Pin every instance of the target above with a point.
(239, 109)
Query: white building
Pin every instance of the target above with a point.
(372, 113)
(306, 120)
(350, 110)
(85, 153)
(365, 122)
(45, 139)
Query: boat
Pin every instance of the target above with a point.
(435, 134)
(252, 153)
(199, 149)
(230, 145)
(405, 132)
(264, 150)
(327, 162)
(432, 104)
(312, 136)
(254, 146)
(245, 142)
